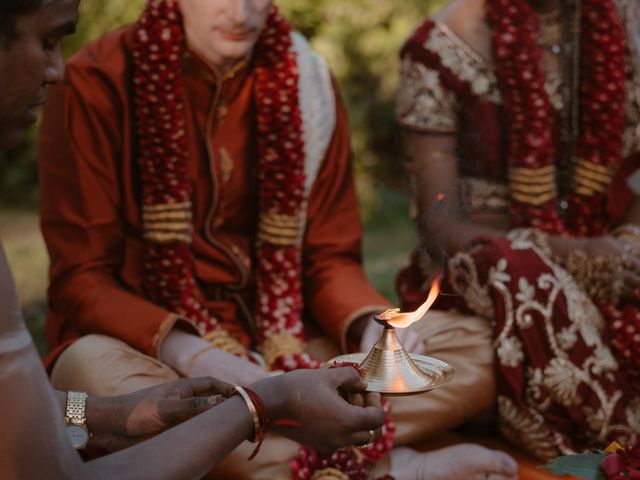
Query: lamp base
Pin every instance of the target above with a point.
(431, 373)
(390, 370)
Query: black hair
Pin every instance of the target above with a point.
(9, 11)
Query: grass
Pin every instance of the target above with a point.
(388, 239)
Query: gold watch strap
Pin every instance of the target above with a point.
(76, 407)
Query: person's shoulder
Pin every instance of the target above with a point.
(467, 20)
(108, 57)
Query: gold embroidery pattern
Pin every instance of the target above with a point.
(471, 67)
(567, 338)
(167, 223)
(422, 102)
(527, 429)
(480, 195)
(226, 164)
(465, 282)
(510, 352)
(562, 381)
(468, 65)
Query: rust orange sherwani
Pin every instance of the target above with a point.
(91, 207)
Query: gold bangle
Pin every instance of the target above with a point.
(252, 410)
(195, 357)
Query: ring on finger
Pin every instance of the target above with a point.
(372, 438)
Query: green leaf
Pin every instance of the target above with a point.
(585, 466)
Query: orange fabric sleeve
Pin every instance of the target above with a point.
(337, 291)
(80, 151)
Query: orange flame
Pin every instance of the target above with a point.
(397, 319)
(441, 197)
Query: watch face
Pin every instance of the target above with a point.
(78, 435)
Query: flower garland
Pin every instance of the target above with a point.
(163, 159)
(282, 197)
(621, 463)
(167, 188)
(350, 463)
(167, 191)
(531, 150)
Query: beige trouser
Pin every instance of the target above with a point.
(105, 366)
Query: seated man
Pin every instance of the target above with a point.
(198, 203)
(528, 187)
(33, 442)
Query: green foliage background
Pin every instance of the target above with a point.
(359, 38)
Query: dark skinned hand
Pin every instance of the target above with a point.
(119, 422)
(319, 401)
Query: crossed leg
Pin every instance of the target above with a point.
(106, 366)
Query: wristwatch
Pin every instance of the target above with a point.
(76, 420)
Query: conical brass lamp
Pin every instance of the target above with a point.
(390, 370)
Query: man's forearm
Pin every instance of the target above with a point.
(209, 438)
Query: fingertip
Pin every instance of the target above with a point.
(373, 399)
(344, 375)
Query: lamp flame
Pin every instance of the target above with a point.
(397, 319)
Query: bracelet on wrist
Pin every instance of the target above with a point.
(258, 413)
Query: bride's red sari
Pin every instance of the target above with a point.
(568, 363)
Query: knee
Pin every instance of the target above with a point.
(102, 365)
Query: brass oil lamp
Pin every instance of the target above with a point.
(388, 368)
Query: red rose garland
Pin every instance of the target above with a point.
(529, 114)
(167, 190)
(282, 188)
(163, 160)
(602, 108)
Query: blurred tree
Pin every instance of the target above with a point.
(360, 40)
